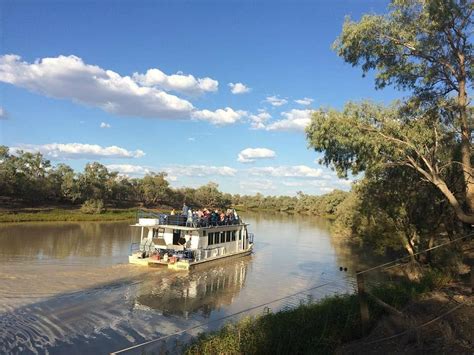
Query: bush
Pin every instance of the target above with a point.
(93, 207)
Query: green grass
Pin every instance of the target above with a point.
(316, 328)
(57, 215)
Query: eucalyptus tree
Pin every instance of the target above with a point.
(423, 47)
(155, 188)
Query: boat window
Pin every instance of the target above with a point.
(204, 233)
(227, 236)
(233, 236)
(210, 239)
(240, 234)
(222, 237)
(216, 238)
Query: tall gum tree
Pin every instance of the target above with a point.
(423, 47)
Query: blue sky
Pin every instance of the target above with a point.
(145, 86)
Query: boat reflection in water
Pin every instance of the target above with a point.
(199, 291)
(156, 304)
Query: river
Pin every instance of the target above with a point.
(67, 287)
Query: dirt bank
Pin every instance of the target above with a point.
(440, 322)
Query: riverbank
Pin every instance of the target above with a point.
(325, 326)
(64, 215)
(75, 214)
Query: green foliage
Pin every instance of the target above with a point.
(424, 47)
(30, 178)
(325, 205)
(154, 188)
(416, 154)
(96, 182)
(415, 46)
(209, 195)
(92, 207)
(312, 327)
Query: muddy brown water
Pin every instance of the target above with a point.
(67, 288)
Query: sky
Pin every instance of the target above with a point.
(205, 91)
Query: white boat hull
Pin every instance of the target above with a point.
(184, 265)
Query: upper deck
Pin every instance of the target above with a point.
(181, 222)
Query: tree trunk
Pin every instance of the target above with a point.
(465, 141)
(460, 213)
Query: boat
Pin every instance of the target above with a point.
(181, 242)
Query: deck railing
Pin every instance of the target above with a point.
(182, 220)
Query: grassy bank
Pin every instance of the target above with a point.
(310, 328)
(58, 215)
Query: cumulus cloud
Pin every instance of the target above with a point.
(79, 151)
(257, 185)
(219, 117)
(199, 170)
(186, 84)
(294, 120)
(304, 101)
(249, 155)
(276, 101)
(105, 125)
(68, 77)
(173, 172)
(3, 113)
(259, 120)
(294, 171)
(321, 183)
(129, 169)
(239, 88)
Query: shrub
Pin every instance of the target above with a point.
(93, 207)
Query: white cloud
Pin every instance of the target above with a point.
(199, 170)
(294, 120)
(173, 172)
(322, 183)
(219, 117)
(186, 84)
(3, 113)
(257, 185)
(249, 155)
(258, 121)
(105, 125)
(79, 151)
(191, 139)
(68, 77)
(276, 101)
(304, 101)
(295, 171)
(239, 88)
(129, 169)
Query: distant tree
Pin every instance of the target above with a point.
(209, 196)
(7, 172)
(155, 188)
(63, 184)
(31, 171)
(95, 182)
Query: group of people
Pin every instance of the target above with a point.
(205, 217)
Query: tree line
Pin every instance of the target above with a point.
(31, 178)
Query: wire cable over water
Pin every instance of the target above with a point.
(223, 318)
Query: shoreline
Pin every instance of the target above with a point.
(52, 214)
(74, 214)
(305, 328)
